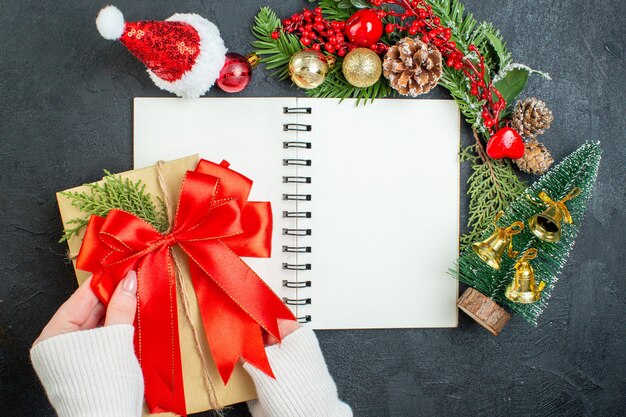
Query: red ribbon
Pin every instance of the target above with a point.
(214, 225)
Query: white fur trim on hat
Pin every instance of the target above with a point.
(209, 62)
(110, 23)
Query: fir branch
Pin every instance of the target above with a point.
(336, 9)
(274, 53)
(115, 193)
(492, 186)
(577, 170)
(336, 86)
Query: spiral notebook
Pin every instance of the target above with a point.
(365, 198)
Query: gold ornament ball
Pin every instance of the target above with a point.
(362, 67)
(308, 68)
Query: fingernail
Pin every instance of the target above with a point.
(129, 284)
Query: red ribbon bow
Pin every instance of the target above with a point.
(214, 225)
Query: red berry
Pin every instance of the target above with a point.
(436, 20)
(308, 26)
(472, 48)
(413, 30)
(319, 27)
(318, 10)
(458, 65)
(414, 3)
(485, 114)
(316, 47)
(425, 39)
(422, 13)
(473, 90)
(307, 14)
(438, 42)
(489, 122)
(450, 62)
(275, 35)
(447, 33)
(381, 14)
(296, 17)
(286, 22)
(376, 3)
(452, 44)
(305, 41)
(390, 27)
(341, 52)
(330, 48)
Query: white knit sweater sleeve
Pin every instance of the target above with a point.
(303, 386)
(91, 373)
(94, 373)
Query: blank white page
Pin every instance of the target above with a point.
(385, 213)
(384, 197)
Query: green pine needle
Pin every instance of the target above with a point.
(577, 170)
(115, 193)
(274, 53)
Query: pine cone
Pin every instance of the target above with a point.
(536, 160)
(531, 117)
(412, 67)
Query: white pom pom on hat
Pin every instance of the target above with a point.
(110, 23)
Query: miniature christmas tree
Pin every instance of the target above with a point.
(488, 285)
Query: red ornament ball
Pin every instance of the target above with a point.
(506, 143)
(364, 28)
(235, 74)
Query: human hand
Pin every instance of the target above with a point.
(285, 327)
(83, 310)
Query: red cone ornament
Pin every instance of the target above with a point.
(236, 73)
(505, 143)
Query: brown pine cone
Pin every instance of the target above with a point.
(531, 117)
(536, 160)
(412, 67)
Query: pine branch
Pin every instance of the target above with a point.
(492, 186)
(577, 170)
(115, 193)
(336, 86)
(274, 53)
(336, 9)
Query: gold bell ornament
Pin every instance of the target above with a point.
(524, 289)
(491, 249)
(547, 224)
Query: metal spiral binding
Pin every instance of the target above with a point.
(297, 232)
(297, 196)
(297, 249)
(296, 284)
(299, 127)
(299, 180)
(296, 301)
(304, 319)
(297, 214)
(294, 110)
(296, 144)
(295, 161)
(296, 267)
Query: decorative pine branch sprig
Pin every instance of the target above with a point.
(577, 170)
(115, 193)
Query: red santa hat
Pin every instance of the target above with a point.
(184, 54)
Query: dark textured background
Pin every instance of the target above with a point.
(66, 113)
